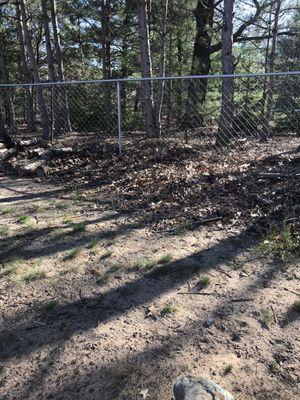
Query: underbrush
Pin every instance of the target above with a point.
(284, 244)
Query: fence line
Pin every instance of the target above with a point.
(156, 78)
(190, 111)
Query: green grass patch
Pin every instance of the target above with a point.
(165, 259)
(267, 317)
(283, 244)
(93, 244)
(106, 254)
(104, 278)
(145, 263)
(205, 281)
(29, 274)
(67, 220)
(169, 308)
(73, 269)
(50, 305)
(4, 230)
(228, 369)
(115, 267)
(296, 306)
(79, 227)
(11, 267)
(182, 227)
(109, 274)
(76, 196)
(58, 233)
(8, 211)
(23, 219)
(73, 253)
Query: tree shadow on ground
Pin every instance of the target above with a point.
(23, 336)
(121, 379)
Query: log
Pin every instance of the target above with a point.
(39, 167)
(61, 151)
(7, 153)
(38, 152)
(32, 168)
(28, 143)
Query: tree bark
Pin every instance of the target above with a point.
(125, 68)
(4, 136)
(51, 69)
(201, 63)
(60, 66)
(266, 131)
(179, 63)
(8, 106)
(29, 109)
(35, 73)
(146, 68)
(227, 107)
(106, 55)
(161, 84)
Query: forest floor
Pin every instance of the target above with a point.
(121, 275)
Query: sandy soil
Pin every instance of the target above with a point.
(127, 310)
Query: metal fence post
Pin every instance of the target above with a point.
(120, 136)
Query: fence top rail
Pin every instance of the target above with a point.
(157, 78)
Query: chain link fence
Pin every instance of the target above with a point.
(189, 109)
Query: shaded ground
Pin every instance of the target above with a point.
(102, 284)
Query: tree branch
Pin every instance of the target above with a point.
(244, 25)
(263, 37)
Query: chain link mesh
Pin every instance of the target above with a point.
(191, 109)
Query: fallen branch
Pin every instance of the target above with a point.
(199, 293)
(240, 300)
(270, 175)
(291, 291)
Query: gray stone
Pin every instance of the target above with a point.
(192, 388)
(209, 322)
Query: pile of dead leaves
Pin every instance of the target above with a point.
(176, 186)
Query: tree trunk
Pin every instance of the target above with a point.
(161, 84)
(35, 73)
(146, 68)
(60, 67)
(29, 111)
(106, 56)
(4, 136)
(266, 63)
(201, 64)
(125, 70)
(8, 106)
(270, 86)
(179, 63)
(51, 69)
(227, 106)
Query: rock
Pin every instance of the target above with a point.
(209, 322)
(192, 388)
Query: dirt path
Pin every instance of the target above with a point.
(96, 306)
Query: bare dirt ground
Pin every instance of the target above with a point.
(108, 289)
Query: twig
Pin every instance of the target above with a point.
(40, 323)
(224, 272)
(274, 314)
(291, 291)
(238, 300)
(199, 293)
(203, 221)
